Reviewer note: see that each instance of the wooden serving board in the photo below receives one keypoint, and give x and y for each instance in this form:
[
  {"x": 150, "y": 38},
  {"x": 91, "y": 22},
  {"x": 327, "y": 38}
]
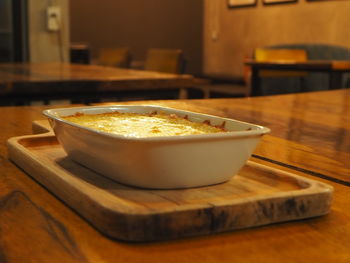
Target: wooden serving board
[{"x": 257, "y": 195}]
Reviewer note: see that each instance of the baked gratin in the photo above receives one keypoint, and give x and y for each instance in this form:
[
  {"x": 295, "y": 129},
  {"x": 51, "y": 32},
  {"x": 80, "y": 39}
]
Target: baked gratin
[{"x": 144, "y": 125}]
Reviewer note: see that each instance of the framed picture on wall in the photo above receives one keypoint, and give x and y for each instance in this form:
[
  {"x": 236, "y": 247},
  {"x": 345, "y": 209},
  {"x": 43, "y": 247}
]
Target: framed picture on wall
[
  {"x": 271, "y": 2},
  {"x": 241, "y": 3}
]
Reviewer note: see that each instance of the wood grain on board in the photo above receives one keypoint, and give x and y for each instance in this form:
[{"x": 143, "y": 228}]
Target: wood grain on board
[{"x": 257, "y": 195}]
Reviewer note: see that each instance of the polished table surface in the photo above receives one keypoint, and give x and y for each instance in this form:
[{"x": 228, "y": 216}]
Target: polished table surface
[
  {"x": 312, "y": 127},
  {"x": 310, "y": 136},
  {"x": 63, "y": 78},
  {"x": 335, "y": 69}
]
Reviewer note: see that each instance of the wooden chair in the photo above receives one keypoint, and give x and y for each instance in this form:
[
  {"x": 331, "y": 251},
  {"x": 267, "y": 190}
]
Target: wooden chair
[
  {"x": 114, "y": 57},
  {"x": 279, "y": 82},
  {"x": 164, "y": 60},
  {"x": 79, "y": 53},
  {"x": 283, "y": 55}
]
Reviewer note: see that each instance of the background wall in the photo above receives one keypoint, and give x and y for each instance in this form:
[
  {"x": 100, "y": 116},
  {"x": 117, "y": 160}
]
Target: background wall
[
  {"x": 46, "y": 46},
  {"x": 140, "y": 25},
  {"x": 230, "y": 34}
]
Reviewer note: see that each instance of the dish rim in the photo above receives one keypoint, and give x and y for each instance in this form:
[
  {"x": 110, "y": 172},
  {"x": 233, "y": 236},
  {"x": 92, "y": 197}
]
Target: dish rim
[{"x": 256, "y": 131}]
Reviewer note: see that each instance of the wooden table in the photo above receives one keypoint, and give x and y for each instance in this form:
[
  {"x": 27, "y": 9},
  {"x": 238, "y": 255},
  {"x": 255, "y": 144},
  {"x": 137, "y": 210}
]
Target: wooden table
[
  {"x": 335, "y": 69},
  {"x": 310, "y": 137},
  {"x": 59, "y": 80},
  {"x": 312, "y": 127}
]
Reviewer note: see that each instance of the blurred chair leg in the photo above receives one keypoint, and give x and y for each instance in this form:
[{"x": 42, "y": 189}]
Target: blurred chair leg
[
  {"x": 183, "y": 94},
  {"x": 302, "y": 84},
  {"x": 335, "y": 80},
  {"x": 206, "y": 92}
]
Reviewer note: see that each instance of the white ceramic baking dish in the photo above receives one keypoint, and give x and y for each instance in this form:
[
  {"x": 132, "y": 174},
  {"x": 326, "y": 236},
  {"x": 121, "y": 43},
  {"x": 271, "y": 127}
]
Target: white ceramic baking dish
[{"x": 158, "y": 162}]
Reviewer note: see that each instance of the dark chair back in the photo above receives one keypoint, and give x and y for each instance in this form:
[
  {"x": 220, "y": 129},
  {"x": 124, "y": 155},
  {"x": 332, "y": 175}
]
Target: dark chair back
[
  {"x": 114, "y": 57},
  {"x": 164, "y": 60}
]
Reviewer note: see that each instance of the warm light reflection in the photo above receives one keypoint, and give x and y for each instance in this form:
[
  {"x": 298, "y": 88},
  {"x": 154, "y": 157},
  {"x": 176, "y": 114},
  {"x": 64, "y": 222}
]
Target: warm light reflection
[{"x": 141, "y": 125}]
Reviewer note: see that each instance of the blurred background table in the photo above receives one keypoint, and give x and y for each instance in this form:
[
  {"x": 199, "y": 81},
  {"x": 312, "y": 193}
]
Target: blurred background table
[
  {"x": 310, "y": 137},
  {"x": 26, "y": 82},
  {"x": 334, "y": 68}
]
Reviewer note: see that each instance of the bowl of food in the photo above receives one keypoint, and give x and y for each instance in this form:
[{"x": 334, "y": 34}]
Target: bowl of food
[{"x": 155, "y": 147}]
